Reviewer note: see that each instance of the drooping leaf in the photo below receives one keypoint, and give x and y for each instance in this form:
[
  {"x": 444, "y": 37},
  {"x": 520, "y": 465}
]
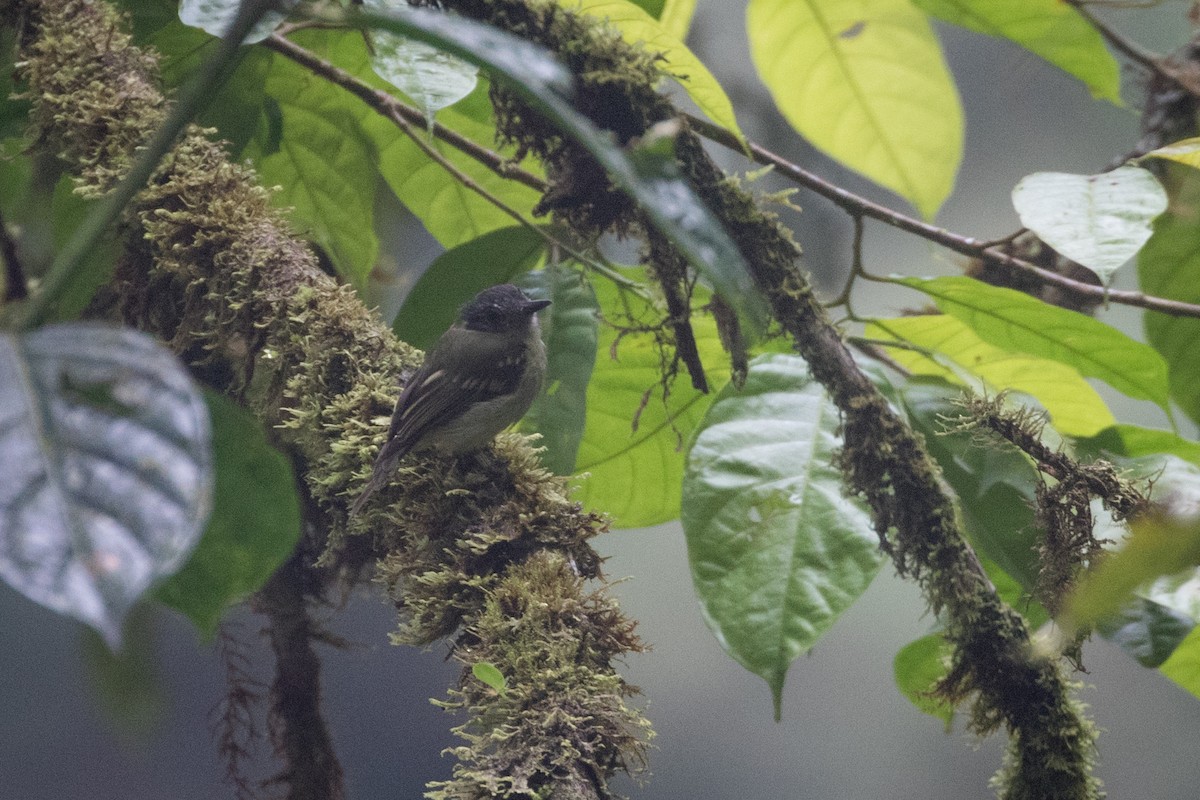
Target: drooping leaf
[
  {"x": 1100, "y": 221},
  {"x": 678, "y": 61},
  {"x": 570, "y": 330},
  {"x": 109, "y": 468},
  {"x": 432, "y": 78},
  {"x": 918, "y": 668},
  {"x": 668, "y": 201},
  {"x": 865, "y": 81},
  {"x": 216, "y": 16},
  {"x": 1074, "y": 407},
  {"x": 777, "y": 550},
  {"x": 1183, "y": 666},
  {"x": 631, "y": 458},
  {"x": 1018, "y": 323},
  {"x": 459, "y": 274},
  {"x": 254, "y": 526},
  {"x": 1052, "y": 29},
  {"x": 1169, "y": 266}
]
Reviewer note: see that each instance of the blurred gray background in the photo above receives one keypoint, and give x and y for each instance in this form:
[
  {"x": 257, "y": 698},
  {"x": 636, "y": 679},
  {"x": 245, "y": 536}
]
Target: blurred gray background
[{"x": 846, "y": 732}]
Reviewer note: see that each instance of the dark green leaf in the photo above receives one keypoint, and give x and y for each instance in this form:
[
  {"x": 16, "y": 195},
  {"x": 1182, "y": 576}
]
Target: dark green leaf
[
  {"x": 459, "y": 274},
  {"x": 69, "y": 210},
  {"x": 777, "y": 551},
  {"x": 918, "y": 668},
  {"x": 570, "y": 331},
  {"x": 1146, "y": 630},
  {"x": 254, "y": 526},
  {"x": 1134, "y": 442},
  {"x": 107, "y": 449}
]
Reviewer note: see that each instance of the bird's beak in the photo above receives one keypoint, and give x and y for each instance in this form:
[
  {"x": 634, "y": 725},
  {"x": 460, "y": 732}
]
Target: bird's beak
[{"x": 534, "y": 306}]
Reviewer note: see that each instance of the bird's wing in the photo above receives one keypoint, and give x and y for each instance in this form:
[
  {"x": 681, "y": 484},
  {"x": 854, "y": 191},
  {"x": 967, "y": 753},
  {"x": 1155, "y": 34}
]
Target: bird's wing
[{"x": 486, "y": 366}]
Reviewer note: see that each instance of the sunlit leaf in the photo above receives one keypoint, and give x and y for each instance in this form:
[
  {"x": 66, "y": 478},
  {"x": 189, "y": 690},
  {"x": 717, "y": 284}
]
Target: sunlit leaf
[
  {"x": 1074, "y": 407},
  {"x": 108, "y": 460},
  {"x": 631, "y": 457},
  {"x": 1183, "y": 666},
  {"x": 1050, "y": 28},
  {"x": 1100, "y": 221},
  {"x": 636, "y": 26},
  {"x": 1016, "y": 322},
  {"x": 777, "y": 550},
  {"x": 865, "y": 81},
  {"x": 1185, "y": 151},
  {"x": 676, "y": 17}
]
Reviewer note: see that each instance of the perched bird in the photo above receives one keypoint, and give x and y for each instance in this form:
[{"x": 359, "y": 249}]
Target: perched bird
[{"x": 480, "y": 377}]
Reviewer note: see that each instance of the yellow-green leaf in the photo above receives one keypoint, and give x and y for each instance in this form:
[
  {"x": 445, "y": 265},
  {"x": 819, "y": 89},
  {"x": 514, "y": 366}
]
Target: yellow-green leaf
[
  {"x": 1050, "y": 29},
  {"x": 865, "y": 81},
  {"x": 1074, "y": 406},
  {"x": 1185, "y": 151},
  {"x": 676, "y": 17},
  {"x": 679, "y": 62}
]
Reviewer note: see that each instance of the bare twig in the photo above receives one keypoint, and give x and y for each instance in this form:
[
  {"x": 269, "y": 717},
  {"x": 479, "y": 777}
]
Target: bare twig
[{"x": 855, "y": 205}]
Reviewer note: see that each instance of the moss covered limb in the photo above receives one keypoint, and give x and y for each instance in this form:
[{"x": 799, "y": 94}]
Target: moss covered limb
[
  {"x": 214, "y": 271},
  {"x": 884, "y": 461}
]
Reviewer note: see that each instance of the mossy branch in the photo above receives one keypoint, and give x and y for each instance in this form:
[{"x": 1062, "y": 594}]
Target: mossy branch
[
  {"x": 885, "y": 462},
  {"x": 486, "y": 547}
]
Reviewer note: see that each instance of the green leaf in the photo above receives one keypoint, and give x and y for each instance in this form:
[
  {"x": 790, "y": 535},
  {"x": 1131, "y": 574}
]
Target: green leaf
[
  {"x": 451, "y": 212},
  {"x": 128, "y": 683},
  {"x": 429, "y": 76},
  {"x": 1134, "y": 442},
  {"x": 1051, "y": 29},
  {"x": 1074, "y": 407},
  {"x": 487, "y": 673},
  {"x": 1145, "y": 630},
  {"x": 108, "y": 484},
  {"x": 678, "y": 61},
  {"x": 1185, "y": 151},
  {"x": 631, "y": 457},
  {"x": 255, "y": 522},
  {"x": 69, "y": 211},
  {"x": 918, "y": 668},
  {"x": 1169, "y": 266},
  {"x": 777, "y": 550},
  {"x": 570, "y": 330},
  {"x": 1183, "y": 666},
  {"x": 1018, "y": 323},
  {"x": 676, "y": 17},
  {"x": 865, "y": 81},
  {"x": 459, "y": 274},
  {"x": 667, "y": 200},
  {"x": 314, "y": 150},
  {"x": 1100, "y": 221}
]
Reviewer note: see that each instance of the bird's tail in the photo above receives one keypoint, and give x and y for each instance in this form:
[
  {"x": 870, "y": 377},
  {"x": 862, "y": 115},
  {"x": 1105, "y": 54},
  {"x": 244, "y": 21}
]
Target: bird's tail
[{"x": 381, "y": 473}]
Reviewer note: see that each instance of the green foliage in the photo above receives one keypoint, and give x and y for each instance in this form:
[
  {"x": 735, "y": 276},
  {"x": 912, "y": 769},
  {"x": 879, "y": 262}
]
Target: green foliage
[{"x": 777, "y": 551}]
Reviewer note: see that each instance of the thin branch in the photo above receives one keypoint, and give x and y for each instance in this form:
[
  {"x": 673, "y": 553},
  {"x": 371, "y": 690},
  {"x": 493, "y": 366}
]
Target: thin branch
[
  {"x": 854, "y": 204},
  {"x": 390, "y": 107},
  {"x": 1121, "y": 43},
  {"x": 14, "y": 283}
]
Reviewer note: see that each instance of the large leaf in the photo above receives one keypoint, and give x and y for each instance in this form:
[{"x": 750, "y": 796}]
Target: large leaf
[
  {"x": 918, "y": 668},
  {"x": 631, "y": 456},
  {"x": 636, "y": 26},
  {"x": 676, "y": 17},
  {"x": 777, "y": 551},
  {"x": 570, "y": 330},
  {"x": 1074, "y": 406},
  {"x": 1016, "y": 322},
  {"x": 1050, "y": 28},
  {"x": 459, "y": 274},
  {"x": 1169, "y": 266},
  {"x": 1100, "y": 221},
  {"x": 108, "y": 484},
  {"x": 865, "y": 81},
  {"x": 310, "y": 144},
  {"x": 649, "y": 174},
  {"x": 254, "y": 525}
]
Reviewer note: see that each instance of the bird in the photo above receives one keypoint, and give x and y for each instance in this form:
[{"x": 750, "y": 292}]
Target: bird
[{"x": 481, "y": 376}]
